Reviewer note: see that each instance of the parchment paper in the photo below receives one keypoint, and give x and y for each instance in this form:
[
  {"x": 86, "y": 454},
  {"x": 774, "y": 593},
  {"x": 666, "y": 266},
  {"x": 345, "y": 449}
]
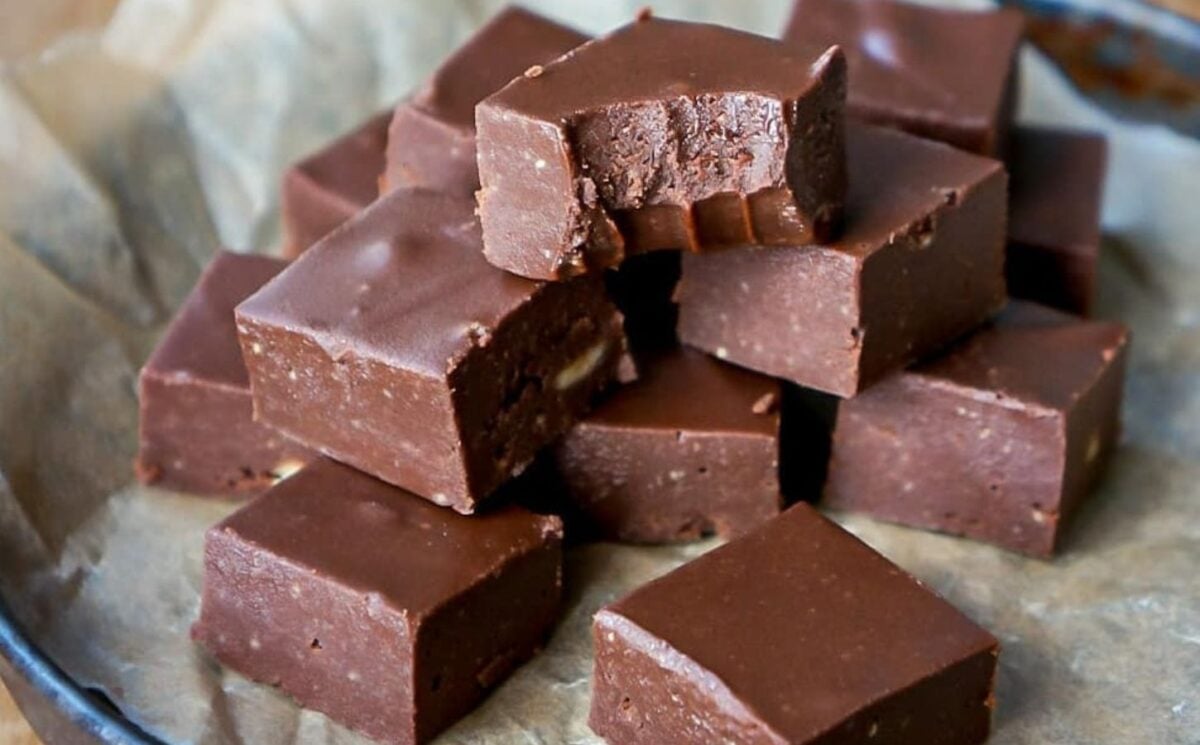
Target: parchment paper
[{"x": 132, "y": 149}]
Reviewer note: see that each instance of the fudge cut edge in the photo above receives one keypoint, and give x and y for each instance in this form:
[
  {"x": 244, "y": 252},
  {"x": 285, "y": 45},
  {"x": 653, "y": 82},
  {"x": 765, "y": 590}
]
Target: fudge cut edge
[
  {"x": 646, "y": 691},
  {"x": 451, "y": 439},
  {"x": 456, "y": 665},
  {"x": 995, "y": 489},
  {"x": 911, "y": 707},
  {"x": 641, "y": 500},
  {"x": 563, "y": 198},
  {"x": 881, "y": 306},
  {"x": 432, "y": 668},
  {"x": 179, "y": 448},
  {"x": 292, "y": 636},
  {"x": 557, "y": 370},
  {"x": 937, "y": 282}
]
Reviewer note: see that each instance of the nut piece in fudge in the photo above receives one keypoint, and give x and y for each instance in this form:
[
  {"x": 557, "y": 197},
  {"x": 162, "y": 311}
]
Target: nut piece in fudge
[
  {"x": 941, "y": 73},
  {"x": 919, "y": 263},
  {"x": 662, "y": 135},
  {"x": 332, "y": 185},
  {"x": 196, "y": 425},
  {"x": 795, "y": 633},
  {"x": 998, "y": 439},
  {"x": 395, "y": 347},
  {"x": 1055, "y": 195},
  {"x": 431, "y": 141},
  {"x": 362, "y": 601},
  {"x": 690, "y": 449}
]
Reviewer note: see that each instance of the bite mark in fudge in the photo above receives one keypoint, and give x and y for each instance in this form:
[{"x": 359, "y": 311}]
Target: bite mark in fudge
[
  {"x": 1057, "y": 187},
  {"x": 919, "y": 263},
  {"x": 941, "y": 73},
  {"x": 690, "y": 449},
  {"x": 794, "y": 633},
  {"x": 332, "y": 185},
  {"x": 395, "y": 347},
  {"x": 431, "y": 141},
  {"x": 662, "y": 135},
  {"x": 196, "y": 427},
  {"x": 362, "y": 601},
  {"x": 998, "y": 439}
]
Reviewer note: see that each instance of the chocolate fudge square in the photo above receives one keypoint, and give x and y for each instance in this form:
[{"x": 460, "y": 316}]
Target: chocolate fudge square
[
  {"x": 794, "y": 633},
  {"x": 431, "y": 141},
  {"x": 362, "y": 601},
  {"x": 661, "y": 135},
  {"x": 941, "y": 73},
  {"x": 999, "y": 439},
  {"x": 332, "y": 185},
  {"x": 690, "y": 449},
  {"x": 919, "y": 263},
  {"x": 196, "y": 427},
  {"x": 392, "y": 345},
  {"x": 1055, "y": 195}
]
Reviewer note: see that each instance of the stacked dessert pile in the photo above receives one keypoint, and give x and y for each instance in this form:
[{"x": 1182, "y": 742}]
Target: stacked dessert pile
[{"x": 618, "y": 284}]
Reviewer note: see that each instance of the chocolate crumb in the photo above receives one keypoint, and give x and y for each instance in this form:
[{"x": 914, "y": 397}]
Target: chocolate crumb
[{"x": 644, "y": 14}]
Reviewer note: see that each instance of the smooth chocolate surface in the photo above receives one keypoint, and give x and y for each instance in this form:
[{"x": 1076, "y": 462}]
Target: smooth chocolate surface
[
  {"x": 690, "y": 449},
  {"x": 332, "y": 185},
  {"x": 919, "y": 263},
  {"x": 998, "y": 439},
  {"x": 1055, "y": 195},
  {"x": 663, "y": 134},
  {"x": 794, "y": 633},
  {"x": 941, "y": 73},
  {"x": 431, "y": 141},
  {"x": 394, "y": 347},
  {"x": 196, "y": 427},
  {"x": 364, "y": 602}
]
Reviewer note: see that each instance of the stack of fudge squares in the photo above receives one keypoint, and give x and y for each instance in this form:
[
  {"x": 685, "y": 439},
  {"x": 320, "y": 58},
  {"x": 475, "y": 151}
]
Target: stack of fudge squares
[{"x": 648, "y": 288}]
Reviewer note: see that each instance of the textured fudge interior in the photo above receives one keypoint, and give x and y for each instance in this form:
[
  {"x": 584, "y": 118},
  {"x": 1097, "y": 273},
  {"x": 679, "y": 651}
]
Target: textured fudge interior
[{"x": 528, "y": 381}]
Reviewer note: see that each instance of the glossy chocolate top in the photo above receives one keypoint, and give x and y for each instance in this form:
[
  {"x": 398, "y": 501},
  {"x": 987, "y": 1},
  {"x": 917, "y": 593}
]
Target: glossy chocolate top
[
  {"x": 939, "y": 62},
  {"x": 1057, "y": 187},
  {"x": 201, "y": 342},
  {"x": 798, "y": 611},
  {"x": 372, "y": 537},
  {"x": 686, "y": 389},
  {"x": 505, "y": 47},
  {"x": 896, "y": 180},
  {"x": 350, "y": 166},
  {"x": 404, "y": 282},
  {"x": 653, "y": 59},
  {"x": 1029, "y": 355}
]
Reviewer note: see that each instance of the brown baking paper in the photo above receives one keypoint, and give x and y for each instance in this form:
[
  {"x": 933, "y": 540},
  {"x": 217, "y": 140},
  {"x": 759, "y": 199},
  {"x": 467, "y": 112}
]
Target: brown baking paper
[{"x": 133, "y": 147}]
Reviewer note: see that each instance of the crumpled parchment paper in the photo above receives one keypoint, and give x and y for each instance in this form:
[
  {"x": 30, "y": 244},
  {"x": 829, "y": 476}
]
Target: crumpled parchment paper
[{"x": 132, "y": 149}]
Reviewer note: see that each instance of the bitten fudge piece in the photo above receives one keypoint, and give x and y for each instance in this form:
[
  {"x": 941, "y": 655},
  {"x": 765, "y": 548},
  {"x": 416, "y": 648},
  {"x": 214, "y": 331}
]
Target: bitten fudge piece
[
  {"x": 197, "y": 431},
  {"x": 431, "y": 141},
  {"x": 330, "y": 186},
  {"x": 394, "y": 347},
  {"x": 940, "y": 73},
  {"x": 690, "y": 449},
  {"x": 794, "y": 633},
  {"x": 1057, "y": 186},
  {"x": 663, "y": 134},
  {"x": 391, "y": 615},
  {"x": 998, "y": 439},
  {"x": 920, "y": 262}
]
